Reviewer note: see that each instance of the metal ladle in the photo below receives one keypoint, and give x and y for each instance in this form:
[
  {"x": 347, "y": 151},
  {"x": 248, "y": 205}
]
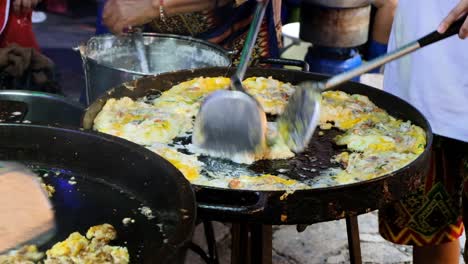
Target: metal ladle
[
  {"x": 301, "y": 116},
  {"x": 231, "y": 121}
]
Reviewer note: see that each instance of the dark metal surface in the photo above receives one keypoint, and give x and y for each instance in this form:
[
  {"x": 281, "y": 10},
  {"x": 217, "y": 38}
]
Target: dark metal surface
[
  {"x": 354, "y": 243},
  {"x": 251, "y": 243},
  {"x": 38, "y": 107},
  {"x": 114, "y": 178},
  {"x": 302, "y": 206},
  {"x": 334, "y": 27}
]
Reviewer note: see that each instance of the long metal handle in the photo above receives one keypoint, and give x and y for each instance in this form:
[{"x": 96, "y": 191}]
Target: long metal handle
[
  {"x": 249, "y": 43},
  {"x": 398, "y": 53},
  {"x": 137, "y": 35},
  {"x": 348, "y": 75}
]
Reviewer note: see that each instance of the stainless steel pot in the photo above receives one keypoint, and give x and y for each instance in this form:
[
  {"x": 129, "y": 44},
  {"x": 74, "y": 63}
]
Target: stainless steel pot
[{"x": 109, "y": 61}]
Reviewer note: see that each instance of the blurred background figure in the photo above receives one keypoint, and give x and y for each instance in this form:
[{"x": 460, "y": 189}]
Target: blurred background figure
[
  {"x": 22, "y": 66},
  {"x": 223, "y": 22}
]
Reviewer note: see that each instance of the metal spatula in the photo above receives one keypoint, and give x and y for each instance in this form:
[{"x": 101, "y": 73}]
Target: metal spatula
[
  {"x": 231, "y": 121},
  {"x": 301, "y": 116},
  {"x": 26, "y": 215},
  {"x": 136, "y": 33}
]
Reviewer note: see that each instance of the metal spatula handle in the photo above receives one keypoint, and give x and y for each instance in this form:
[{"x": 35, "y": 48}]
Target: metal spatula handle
[
  {"x": 248, "y": 46},
  {"x": 391, "y": 56},
  {"x": 137, "y": 36}
]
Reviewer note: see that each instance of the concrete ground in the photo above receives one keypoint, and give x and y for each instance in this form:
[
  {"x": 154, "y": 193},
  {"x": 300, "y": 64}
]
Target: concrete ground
[{"x": 319, "y": 243}]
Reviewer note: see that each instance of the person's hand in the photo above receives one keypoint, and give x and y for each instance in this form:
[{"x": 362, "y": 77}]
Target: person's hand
[
  {"x": 459, "y": 10},
  {"x": 20, "y": 6},
  {"x": 118, "y": 15}
]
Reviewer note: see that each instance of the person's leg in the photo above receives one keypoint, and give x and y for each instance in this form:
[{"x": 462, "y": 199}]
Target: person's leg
[
  {"x": 446, "y": 253},
  {"x": 464, "y": 166},
  {"x": 430, "y": 217}
]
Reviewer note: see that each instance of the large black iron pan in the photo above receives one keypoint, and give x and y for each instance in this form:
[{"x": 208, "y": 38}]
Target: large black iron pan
[
  {"x": 114, "y": 178},
  {"x": 300, "y": 207}
]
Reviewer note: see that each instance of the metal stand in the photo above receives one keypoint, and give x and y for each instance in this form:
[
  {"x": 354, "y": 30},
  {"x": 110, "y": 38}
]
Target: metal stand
[
  {"x": 212, "y": 256},
  {"x": 354, "y": 244},
  {"x": 253, "y": 243}
]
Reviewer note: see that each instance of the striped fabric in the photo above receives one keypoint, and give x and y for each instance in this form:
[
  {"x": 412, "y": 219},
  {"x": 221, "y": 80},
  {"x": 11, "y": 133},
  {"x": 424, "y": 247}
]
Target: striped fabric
[
  {"x": 227, "y": 26},
  {"x": 433, "y": 214}
]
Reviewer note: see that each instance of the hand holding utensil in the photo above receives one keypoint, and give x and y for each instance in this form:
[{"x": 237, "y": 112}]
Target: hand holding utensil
[{"x": 301, "y": 116}]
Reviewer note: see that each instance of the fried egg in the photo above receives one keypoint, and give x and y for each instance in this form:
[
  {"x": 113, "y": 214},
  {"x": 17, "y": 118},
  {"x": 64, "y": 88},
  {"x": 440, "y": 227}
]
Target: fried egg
[
  {"x": 376, "y": 143},
  {"x": 272, "y": 94},
  {"x": 265, "y": 182},
  {"x": 187, "y": 164},
  {"x": 140, "y": 122}
]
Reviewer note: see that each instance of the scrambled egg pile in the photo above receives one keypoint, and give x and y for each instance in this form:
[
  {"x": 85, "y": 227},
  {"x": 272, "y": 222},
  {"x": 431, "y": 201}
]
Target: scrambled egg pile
[
  {"x": 24, "y": 255},
  {"x": 376, "y": 142},
  {"x": 76, "y": 249}
]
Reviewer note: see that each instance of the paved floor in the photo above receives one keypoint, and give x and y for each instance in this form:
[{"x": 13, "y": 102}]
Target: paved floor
[{"x": 319, "y": 243}]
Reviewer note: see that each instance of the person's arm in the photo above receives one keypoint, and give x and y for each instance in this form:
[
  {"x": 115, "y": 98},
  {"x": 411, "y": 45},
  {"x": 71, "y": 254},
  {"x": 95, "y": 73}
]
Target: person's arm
[
  {"x": 121, "y": 14},
  {"x": 381, "y": 29},
  {"x": 383, "y": 20},
  {"x": 459, "y": 10}
]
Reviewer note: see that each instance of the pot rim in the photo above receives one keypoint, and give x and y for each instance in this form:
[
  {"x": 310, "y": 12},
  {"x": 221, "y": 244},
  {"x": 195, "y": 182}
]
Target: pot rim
[{"x": 223, "y": 52}]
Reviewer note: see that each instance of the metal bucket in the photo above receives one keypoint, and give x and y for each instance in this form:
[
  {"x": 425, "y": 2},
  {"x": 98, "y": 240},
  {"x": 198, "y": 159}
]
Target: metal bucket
[{"x": 109, "y": 61}]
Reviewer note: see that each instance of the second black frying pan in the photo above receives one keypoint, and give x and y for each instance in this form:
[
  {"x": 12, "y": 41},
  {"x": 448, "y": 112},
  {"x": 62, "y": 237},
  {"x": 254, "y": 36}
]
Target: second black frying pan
[{"x": 103, "y": 179}]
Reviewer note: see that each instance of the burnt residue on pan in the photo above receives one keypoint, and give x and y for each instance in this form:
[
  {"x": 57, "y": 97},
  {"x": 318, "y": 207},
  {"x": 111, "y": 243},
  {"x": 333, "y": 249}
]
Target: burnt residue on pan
[
  {"x": 309, "y": 164},
  {"x": 303, "y": 167}
]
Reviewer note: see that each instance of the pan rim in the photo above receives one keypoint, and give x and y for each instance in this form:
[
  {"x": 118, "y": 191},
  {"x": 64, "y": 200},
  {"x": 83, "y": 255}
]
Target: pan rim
[{"x": 188, "y": 202}]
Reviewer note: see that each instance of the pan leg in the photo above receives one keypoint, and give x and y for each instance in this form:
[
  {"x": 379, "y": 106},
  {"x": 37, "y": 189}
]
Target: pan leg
[
  {"x": 211, "y": 242},
  {"x": 262, "y": 243},
  {"x": 251, "y": 243},
  {"x": 212, "y": 256},
  {"x": 354, "y": 243},
  {"x": 240, "y": 253},
  {"x": 200, "y": 252}
]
